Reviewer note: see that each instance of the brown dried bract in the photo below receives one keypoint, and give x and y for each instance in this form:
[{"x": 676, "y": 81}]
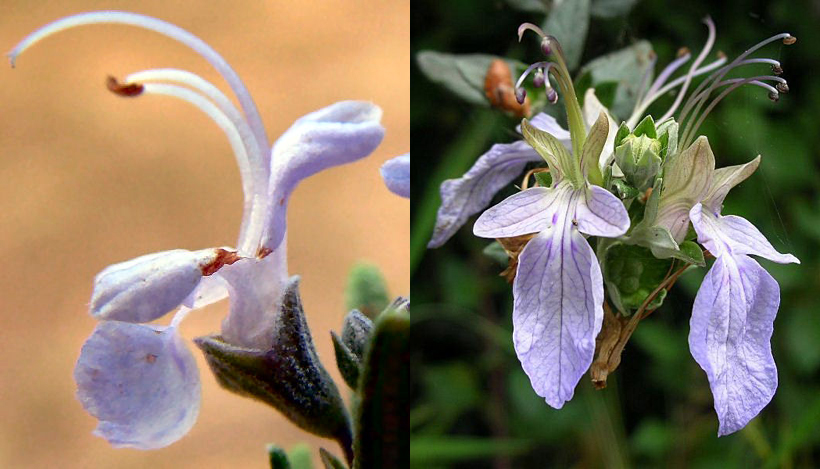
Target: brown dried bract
[
  {"x": 513, "y": 246},
  {"x": 129, "y": 90},
  {"x": 605, "y": 345},
  {"x": 222, "y": 258},
  {"x": 499, "y": 89}
]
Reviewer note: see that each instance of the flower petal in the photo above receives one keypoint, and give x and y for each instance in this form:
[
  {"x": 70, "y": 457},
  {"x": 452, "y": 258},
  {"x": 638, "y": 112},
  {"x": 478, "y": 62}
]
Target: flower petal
[
  {"x": 340, "y": 133},
  {"x": 145, "y": 288},
  {"x": 557, "y": 312},
  {"x": 731, "y": 327},
  {"x": 686, "y": 180},
  {"x": 396, "y": 175},
  {"x": 600, "y": 213},
  {"x": 733, "y": 235},
  {"x": 141, "y": 382},
  {"x": 561, "y": 163},
  {"x": 463, "y": 197},
  {"x": 725, "y": 179},
  {"x": 528, "y": 211}
]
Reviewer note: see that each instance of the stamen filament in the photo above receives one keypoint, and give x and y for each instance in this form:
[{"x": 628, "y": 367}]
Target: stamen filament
[
  {"x": 716, "y": 77},
  {"x": 182, "y": 77},
  {"x": 169, "y": 30},
  {"x": 642, "y": 91},
  {"x": 710, "y": 41},
  {"x": 667, "y": 72},
  {"x": 254, "y": 196},
  {"x": 545, "y": 65},
  {"x": 639, "y": 110}
]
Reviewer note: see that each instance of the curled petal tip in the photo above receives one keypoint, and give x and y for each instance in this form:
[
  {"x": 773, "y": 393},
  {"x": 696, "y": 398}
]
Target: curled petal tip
[{"x": 396, "y": 175}]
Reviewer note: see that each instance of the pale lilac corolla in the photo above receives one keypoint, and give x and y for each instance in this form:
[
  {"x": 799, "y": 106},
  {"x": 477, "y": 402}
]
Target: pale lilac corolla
[
  {"x": 558, "y": 288},
  {"x": 396, "y": 175},
  {"x": 141, "y": 380},
  {"x": 463, "y": 197},
  {"x": 734, "y": 310}
]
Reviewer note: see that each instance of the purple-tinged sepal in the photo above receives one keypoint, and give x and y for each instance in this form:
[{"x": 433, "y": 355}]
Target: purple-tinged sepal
[
  {"x": 148, "y": 287},
  {"x": 287, "y": 376},
  {"x": 396, "y": 175},
  {"x": 141, "y": 382}
]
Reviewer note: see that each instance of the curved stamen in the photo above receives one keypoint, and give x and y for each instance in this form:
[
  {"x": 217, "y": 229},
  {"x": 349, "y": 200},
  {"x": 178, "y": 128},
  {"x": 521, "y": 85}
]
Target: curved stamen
[
  {"x": 718, "y": 75},
  {"x": 545, "y": 66},
  {"x": 182, "y": 77},
  {"x": 254, "y": 196},
  {"x": 649, "y": 99},
  {"x": 167, "y": 29},
  {"x": 710, "y": 41},
  {"x": 667, "y": 72},
  {"x": 736, "y": 83},
  {"x": 531, "y": 27}
]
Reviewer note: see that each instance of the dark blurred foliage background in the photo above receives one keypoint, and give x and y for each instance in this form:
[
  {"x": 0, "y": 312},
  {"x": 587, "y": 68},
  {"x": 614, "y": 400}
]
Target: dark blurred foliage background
[{"x": 472, "y": 404}]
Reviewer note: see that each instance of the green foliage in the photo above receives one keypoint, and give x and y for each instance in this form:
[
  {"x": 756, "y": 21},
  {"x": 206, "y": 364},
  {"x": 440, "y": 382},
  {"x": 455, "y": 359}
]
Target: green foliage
[
  {"x": 631, "y": 274},
  {"x": 462, "y": 75},
  {"x": 568, "y": 21},
  {"x": 366, "y": 290},
  {"x": 625, "y": 67},
  {"x": 278, "y": 458},
  {"x": 382, "y": 438}
]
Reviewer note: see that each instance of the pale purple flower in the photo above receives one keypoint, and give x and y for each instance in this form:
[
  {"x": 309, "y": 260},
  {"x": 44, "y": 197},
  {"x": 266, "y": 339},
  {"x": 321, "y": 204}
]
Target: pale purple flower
[
  {"x": 463, "y": 197},
  {"x": 140, "y": 380},
  {"x": 396, "y": 175},
  {"x": 734, "y": 310},
  {"x": 558, "y": 289}
]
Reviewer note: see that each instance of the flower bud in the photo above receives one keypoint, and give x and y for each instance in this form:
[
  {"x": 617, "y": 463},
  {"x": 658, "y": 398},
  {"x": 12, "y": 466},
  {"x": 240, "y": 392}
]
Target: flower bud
[{"x": 638, "y": 155}]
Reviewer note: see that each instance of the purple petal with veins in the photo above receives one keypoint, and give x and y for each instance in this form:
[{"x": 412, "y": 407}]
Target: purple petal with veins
[
  {"x": 529, "y": 211},
  {"x": 600, "y": 213},
  {"x": 464, "y": 197},
  {"x": 338, "y": 134},
  {"x": 733, "y": 235},
  {"x": 731, "y": 327},
  {"x": 557, "y": 311},
  {"x": 141, "y": 382},
  {"x": 396, "y": 175}
]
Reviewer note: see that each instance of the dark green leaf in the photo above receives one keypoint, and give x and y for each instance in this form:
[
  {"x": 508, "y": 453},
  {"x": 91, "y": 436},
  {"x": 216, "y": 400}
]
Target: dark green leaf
[
  {"x": 278, "y": 458},
  {"x": 568, "y": 22},
  {"x": 611, "y": 8},
  {"x": 382, "y": 429},
  {"x": 627, "y": 67}
]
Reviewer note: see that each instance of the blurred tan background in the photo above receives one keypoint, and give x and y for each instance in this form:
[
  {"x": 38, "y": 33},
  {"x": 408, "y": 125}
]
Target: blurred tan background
[{"x": 90, "y": 179}]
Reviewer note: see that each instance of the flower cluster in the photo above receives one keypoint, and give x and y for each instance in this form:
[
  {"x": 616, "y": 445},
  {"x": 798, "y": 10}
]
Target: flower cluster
[
  {"x": 140, "y": 380},
  {"x": 634, "y": 186}
]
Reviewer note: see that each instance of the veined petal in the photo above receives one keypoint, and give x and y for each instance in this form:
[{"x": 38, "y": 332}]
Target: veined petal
[
  {"x": 463, "y": 197},
  {"x": 731, "y": 327},
  {"x": 141, "y": 382},
  {"x": 145, "y": 288},
  {"x": 686, "y": 181},
  {"x": 340, "y": 133},
  {"x": 600, "y": 213},
  {"x": 725, "y": 179},
  {"x": 396, "y": 175},
  {"x": 733, "y": 235},
  {"x": 529, "y": 211},
  {"x": 558, "y": 311}
]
